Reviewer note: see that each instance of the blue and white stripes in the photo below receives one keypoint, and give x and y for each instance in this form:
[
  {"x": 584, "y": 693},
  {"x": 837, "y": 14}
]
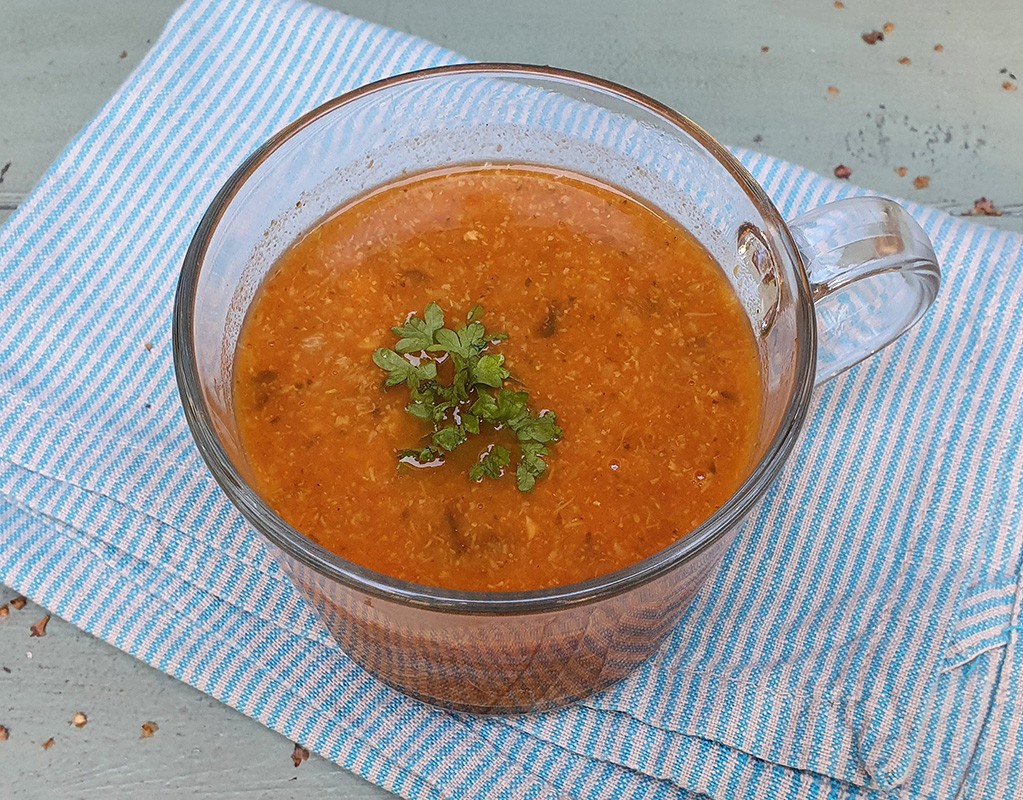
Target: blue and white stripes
[{"x": 862, "y": 639}]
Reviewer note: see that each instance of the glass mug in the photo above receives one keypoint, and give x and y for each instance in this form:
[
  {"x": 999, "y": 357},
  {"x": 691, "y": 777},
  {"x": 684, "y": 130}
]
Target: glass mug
[{"x": 822, "y": 292}]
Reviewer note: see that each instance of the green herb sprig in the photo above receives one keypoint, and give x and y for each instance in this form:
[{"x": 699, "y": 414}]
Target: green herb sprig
[{"x": 475, "y": 399}]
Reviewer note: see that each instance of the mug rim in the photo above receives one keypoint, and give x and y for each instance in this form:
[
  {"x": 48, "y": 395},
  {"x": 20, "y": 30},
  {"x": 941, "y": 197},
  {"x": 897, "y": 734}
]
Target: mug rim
[{"x": 329, "y": 565}]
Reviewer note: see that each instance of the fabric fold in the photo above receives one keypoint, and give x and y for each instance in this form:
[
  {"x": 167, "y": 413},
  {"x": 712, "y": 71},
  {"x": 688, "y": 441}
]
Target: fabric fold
[{"x": 859, "y": 640}]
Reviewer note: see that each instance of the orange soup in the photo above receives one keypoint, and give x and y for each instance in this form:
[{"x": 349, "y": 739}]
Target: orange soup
[{"x": 617, "y": 321}]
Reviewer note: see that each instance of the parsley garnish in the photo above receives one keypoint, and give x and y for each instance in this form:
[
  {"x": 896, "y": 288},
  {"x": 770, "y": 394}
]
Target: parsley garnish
[{"x": 475, "y": 399}]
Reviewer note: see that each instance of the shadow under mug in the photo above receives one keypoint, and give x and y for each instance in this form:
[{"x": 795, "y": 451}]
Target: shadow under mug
[{"x": 821, "y": 292}]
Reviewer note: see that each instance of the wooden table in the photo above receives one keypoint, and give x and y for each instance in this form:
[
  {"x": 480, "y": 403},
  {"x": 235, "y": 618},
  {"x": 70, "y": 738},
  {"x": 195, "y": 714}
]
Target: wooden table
[{"x": 931, "y": 112}]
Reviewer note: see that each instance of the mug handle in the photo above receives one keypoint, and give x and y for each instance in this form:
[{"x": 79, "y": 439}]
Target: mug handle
[{"x": 873, "y": 273}]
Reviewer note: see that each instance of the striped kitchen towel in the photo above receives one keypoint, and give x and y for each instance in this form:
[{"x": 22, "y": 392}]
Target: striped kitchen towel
[{"x": 861, "y": 640}]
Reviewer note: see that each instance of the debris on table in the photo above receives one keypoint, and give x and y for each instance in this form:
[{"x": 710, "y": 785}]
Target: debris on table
[
  {"x": 905, "y": 61},
  {"x": 48, "y": 743},
  {"x": 148, "y": 729},
  {"x": 39, "y": 628},
  {"x": 901, "y": 171},
  {"x": 832, "y": 90},
  {"x": 842, "y": 172},
  {"x": 939, "y": 48},
  {"x": 921, "y": 182},
  {"x": 1009, "y": 86},
  {"x": 888, "y": 27},
  {"x": 4, "y": 611},
  {"x": 839, "y": 4},
  {"x": 19, "y": 602},
  {"x": 873, "y": 37},
  {"x": 5, "y": 733},
  {"x": 3, "y": 170},
  {"x": 299, "y": 755},
  {"x": 982, "y": 207},
  {"x": 79, "y": 720}
]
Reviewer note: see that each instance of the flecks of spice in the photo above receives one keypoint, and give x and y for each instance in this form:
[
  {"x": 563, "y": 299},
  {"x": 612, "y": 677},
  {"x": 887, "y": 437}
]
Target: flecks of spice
[
  {"x": 839, "y": 4},
  {"x": 148, "y": 346},
  {"x": 148, "y": 729},
  {"x": 79, "y": 720},
  {"x": 921, "y": 182},
  {"x": 4, "y": 611},
  {"x": 1009, "y": 86},
  {"x": 758, "y": 138},
  {"x": 18, "y": 603},
  {"x": 124, "y": 55},
  {"x": 48, "y": 743},
  {"x": 299, "y": 755},
  {"x": 39, "y": 628},
  {"x": 982, "y": 207},
  {"x": 842, "y": 172},
  {"x": 905, "y": 61},
  {"x": 3, "y": 170},
  {"x": 939, "y": 48},
  {"x": 1005, "y": 71},
  {"x": 873, "y": 37},
  {"x": 888, "y": 27},
  {"x": 901, "y": 171},
  {"x": 764, "y": 49},
  {"x": 832, "y": 90},
  {"x": 5, "y": 733}
]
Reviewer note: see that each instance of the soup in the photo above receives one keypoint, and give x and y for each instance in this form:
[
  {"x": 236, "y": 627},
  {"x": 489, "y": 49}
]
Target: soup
[{"x": 621, "y": 330}]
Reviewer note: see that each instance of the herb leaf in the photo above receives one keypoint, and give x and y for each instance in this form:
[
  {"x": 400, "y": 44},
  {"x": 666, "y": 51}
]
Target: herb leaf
[
  {"x": 543, "y": 429},
  {"x": 449, "y": 437},
  {"x": 418, "y": 334},
  {"x": 469, "y": 404},
  {"x": 401, "y": 370},
  {"x": 491, "y": 464},
  {"x": 489, "y": 372},
  {"x": 531, "y": 465}
]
